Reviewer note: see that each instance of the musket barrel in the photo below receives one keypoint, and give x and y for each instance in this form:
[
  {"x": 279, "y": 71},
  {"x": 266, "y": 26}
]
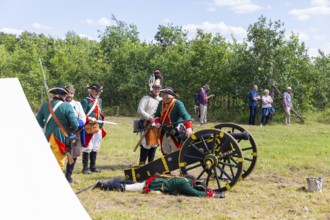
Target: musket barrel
[{"x": 45, "y": 82}]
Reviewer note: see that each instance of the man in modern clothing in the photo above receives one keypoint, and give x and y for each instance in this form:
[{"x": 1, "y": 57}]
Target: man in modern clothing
[
  {"x": 253, "y": 103},
  {"x": 287, "y": 104},
  {"x": 204, "y": 100}
]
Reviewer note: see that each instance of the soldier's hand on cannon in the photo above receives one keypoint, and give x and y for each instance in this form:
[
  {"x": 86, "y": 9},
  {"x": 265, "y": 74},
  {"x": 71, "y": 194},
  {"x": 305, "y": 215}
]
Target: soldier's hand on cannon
[{"x": 189, "y": 132}]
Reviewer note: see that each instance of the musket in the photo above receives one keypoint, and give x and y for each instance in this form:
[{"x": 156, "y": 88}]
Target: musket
[
  {"x": 70, "y": 159},
  {"x": 45, "y": 82},
  {"x": 149, "y": 127},
  {"x": 91, "y": 186}
]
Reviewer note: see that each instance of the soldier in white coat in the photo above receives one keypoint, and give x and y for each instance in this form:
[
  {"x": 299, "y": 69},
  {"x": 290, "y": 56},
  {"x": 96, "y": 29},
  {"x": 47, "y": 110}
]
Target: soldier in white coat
[
  {"x": 81, "y": 116},
  {"x": 146, "y": 109}
]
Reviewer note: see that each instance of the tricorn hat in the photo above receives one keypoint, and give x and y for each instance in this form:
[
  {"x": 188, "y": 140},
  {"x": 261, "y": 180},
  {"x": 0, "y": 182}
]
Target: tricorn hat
[
  {"x": 200, "y": 185},
  {"x": 58, "y": 90},
  {"x": 167, "y": 90},
  {"x": 96, "y": 86}
]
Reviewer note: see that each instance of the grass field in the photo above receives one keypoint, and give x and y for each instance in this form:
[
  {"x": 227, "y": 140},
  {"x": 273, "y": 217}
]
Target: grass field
[{"x": 276, "y": 189}]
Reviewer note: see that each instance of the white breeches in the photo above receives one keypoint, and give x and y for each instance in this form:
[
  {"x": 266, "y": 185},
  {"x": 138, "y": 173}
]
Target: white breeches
[{"x": 94, "y": 143}]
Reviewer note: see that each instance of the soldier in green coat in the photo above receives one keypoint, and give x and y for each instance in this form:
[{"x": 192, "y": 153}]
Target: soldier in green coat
[
  {"x": 92, "y": 105},
  {"x": 167, "y": 184},
  {"x": 64, "y": 113},
  {"x": 174, "y": 120}
]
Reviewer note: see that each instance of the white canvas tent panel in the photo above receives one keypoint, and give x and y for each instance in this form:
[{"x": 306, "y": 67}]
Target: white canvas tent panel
[{"x": 32, "y": 184}]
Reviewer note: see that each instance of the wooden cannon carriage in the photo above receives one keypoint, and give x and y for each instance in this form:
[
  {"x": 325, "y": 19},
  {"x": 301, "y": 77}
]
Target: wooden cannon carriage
[{"x": 221, "y": 156}]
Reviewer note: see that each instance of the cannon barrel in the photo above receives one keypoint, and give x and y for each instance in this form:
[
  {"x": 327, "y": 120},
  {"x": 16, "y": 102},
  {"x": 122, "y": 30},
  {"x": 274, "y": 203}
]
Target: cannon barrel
[{"x": 241, "y": 135}]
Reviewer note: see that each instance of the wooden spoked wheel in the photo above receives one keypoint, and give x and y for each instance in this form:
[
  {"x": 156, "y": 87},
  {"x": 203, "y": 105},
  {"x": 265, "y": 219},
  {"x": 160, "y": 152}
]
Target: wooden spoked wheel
[
  {"x": 246, "y": 144},
  {"x": 214, "y": 156}
]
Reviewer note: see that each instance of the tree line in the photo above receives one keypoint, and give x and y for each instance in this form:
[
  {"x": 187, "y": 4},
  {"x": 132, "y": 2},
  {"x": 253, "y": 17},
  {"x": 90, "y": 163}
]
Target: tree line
[{"x": 123, "y": 64}]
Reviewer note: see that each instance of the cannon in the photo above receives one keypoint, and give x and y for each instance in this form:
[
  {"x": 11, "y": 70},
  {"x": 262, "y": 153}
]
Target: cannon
[{"x": 214, "y": 155}]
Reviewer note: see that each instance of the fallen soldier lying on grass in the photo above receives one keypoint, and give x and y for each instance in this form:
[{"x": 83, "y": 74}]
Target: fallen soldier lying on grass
[{"x": 158, "y": 183}]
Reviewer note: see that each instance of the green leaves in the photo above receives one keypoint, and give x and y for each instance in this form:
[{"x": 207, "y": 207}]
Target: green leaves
[{"x": 123, "y": 64}]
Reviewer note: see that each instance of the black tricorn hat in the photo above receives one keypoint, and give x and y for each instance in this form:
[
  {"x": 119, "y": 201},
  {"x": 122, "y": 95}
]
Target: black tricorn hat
[
  {"x": 96, "y": 86},
  {"x": 168, "y": 90},
  {"x": 58, "y": 90}
]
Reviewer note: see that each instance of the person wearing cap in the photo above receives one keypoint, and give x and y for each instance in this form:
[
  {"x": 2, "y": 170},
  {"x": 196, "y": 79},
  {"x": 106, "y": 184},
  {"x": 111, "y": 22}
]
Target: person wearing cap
[
  {"x": 81, "y": 117},
  {"x": 204, "y": 100},
  {"x": 174, "y": 120},
  {"x": 92, "y": 105},
  {"x": 254, "y": 97},
  {"x": 287, "y": 105},
  {"x": 159, "y": 183},
  {"x": 146, "y": 109},
  {"x": 64, "y": 113}
]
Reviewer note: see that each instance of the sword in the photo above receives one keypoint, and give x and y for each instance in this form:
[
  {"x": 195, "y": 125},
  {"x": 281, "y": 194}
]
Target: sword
[{"x": 106, "y": 122}]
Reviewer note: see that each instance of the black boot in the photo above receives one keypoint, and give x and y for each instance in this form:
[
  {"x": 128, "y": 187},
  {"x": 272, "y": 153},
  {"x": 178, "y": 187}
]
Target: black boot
[
  {"x": 151, "y": 154},
  {"x": 93, "y": 162},
  {"x": 85, "y": 163},
  {"x": 114, "y": 184},
  {"x": 143, "y": 155},
  {"x": 69, "y": 170}
]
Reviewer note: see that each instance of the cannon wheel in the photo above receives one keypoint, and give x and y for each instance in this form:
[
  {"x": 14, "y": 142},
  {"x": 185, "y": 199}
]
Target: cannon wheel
[
  {"x": 214, "y": 156},
  {"x": 248, "y": 147}
]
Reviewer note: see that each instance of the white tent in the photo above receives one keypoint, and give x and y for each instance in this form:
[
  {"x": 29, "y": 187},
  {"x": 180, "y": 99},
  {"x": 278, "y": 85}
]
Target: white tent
[{"x": 32, "y": 185}]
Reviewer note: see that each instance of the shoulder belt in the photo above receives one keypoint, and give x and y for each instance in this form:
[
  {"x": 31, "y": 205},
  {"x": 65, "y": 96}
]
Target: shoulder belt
[
  {"x": 50, "y": 115},
  {"x": 94, "y": 105}
]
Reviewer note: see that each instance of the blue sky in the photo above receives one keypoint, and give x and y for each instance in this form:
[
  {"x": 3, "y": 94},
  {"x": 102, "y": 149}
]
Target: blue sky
[{"x": 308, "y": 18}]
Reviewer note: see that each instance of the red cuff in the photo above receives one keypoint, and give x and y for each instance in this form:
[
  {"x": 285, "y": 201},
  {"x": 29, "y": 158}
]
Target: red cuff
[
  {"x": 157, "y": 120},
  {"x": 188, "y": 124},
  {"x": 209, "y": 194}
]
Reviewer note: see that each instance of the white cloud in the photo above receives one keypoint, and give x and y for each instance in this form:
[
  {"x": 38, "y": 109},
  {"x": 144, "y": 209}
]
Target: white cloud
[
  {"x": 319, "y": 37},
  {"x": 103, "y": 21},
  {"x": 238, "y": 6},
  {"x": 85, "y": 36},
  {"x": 320, "y": 2},
  {"x": 11, "y": 31},
  {"x": 41, "y": 26},
  {"x": 220, "y": 28},
  {"x": 320, "y": 8},
  {"x": 313, "y": 52},
  {"x": 166, "y": 20},
  {"x": 303, "y": 36}
]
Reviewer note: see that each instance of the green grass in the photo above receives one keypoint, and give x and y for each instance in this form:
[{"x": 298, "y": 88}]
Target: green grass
[{"x": 276, "y": 189}]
